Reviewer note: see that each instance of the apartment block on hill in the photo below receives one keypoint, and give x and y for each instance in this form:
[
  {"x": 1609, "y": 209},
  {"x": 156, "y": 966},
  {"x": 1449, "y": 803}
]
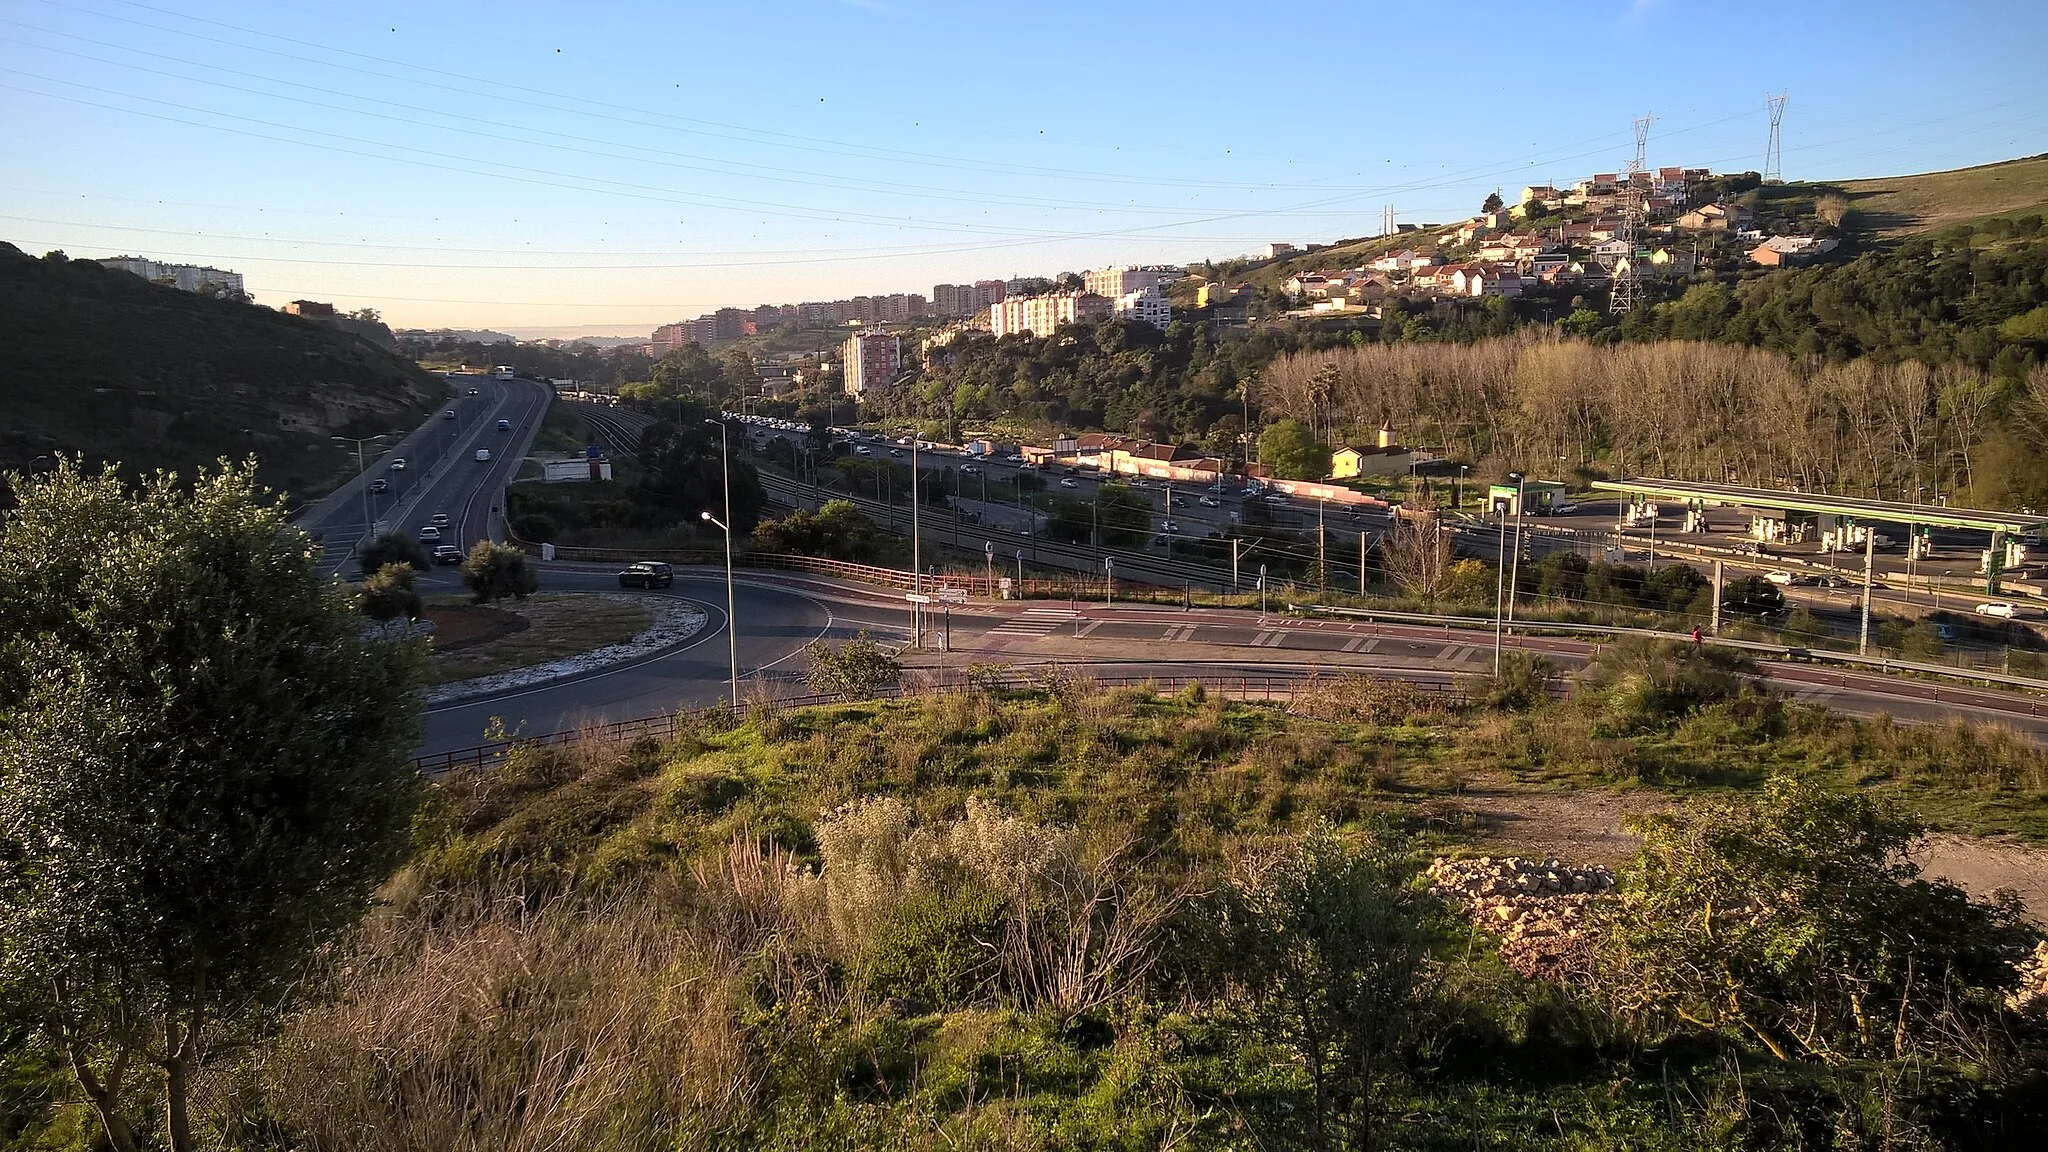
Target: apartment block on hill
[
  {"x": 1042, "y": 315},
  {"x": 194, "y": 278},
  {"x": 872, "y": 361}
]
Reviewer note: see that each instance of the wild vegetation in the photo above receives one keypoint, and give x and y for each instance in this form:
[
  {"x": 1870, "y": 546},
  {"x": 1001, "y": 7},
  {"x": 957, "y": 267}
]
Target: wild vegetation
[{"x": 1071, "y": 916}]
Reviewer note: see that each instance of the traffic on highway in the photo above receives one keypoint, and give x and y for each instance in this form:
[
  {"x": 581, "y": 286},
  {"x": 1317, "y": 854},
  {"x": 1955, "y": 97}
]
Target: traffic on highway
[{"x": 439, "y": 483}]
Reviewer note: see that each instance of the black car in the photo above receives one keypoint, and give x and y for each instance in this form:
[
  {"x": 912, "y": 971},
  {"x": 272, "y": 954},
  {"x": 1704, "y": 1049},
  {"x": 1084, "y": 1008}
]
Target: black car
[
  {"x": 647, "y": 574},
  {"x": 447, "y": 554}
]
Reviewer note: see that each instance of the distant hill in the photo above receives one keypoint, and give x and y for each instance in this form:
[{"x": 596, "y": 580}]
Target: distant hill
[
  {"x": 1896, "y": 206},
  {"x": 107, "y": 364}
]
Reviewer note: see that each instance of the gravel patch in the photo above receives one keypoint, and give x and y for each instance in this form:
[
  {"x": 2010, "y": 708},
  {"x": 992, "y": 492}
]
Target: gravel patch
[{"x": 674, "y": 622}]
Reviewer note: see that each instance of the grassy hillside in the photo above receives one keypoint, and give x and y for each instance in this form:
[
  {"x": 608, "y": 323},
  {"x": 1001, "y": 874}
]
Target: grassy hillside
[
  {"x": 1895, "y": 206},
  {"x": 1100, "y": 918},
  {"x": 109, "y": 365}
]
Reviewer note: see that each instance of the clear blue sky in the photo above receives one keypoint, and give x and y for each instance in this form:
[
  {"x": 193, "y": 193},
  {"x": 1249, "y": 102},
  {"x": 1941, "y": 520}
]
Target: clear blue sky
[{"x": 612, "y": 166}]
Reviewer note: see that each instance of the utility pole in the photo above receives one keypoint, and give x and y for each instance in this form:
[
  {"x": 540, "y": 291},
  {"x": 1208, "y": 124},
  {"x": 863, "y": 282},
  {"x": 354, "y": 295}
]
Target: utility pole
[
  {"x": 1869, "y": 565},
  {"x": 1625, "y": 291},
  {"x": 1774, "y": 166},
  {"x": 1322, "y": 552},
  {"x": 916, "y": 557},
  {"x": 1716, "y": 625}
]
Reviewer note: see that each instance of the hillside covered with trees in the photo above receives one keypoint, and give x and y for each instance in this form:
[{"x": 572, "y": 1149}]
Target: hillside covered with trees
[{"x": 108, "y": 365}]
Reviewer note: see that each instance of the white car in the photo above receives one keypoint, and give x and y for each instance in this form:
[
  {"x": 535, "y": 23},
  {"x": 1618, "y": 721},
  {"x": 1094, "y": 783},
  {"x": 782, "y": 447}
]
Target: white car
[
  {"x": 429, "y": 534},
  {"x": 1208, "y": 502},
  {"x": 1068, "y": 482},
  {"x": 398, "y": 465},
  {"x": 440, "y": 520},
  {"x": 2003, "y": 609},
  {"x": 1781, "y": 578},
  {"x": 483, "y": 455}
]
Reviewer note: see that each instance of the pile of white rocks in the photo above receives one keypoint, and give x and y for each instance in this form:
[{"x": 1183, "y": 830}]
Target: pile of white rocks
[
  {"x": 2032, "y": 994},
  {"x": 1537, "y": 908}
]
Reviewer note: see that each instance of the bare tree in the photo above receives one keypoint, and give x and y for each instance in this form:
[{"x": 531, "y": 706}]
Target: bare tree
[{"x": 1417, "y": 556}]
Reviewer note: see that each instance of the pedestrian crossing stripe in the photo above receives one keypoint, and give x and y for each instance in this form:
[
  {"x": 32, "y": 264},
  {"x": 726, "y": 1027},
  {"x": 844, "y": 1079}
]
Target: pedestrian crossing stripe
[{"x": 1034, "y": 622}]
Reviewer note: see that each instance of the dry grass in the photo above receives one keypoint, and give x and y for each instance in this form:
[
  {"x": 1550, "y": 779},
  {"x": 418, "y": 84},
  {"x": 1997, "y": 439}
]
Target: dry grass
[
  {"x": 556, "y": 626},
  {"x": 1899, "y": 205}
]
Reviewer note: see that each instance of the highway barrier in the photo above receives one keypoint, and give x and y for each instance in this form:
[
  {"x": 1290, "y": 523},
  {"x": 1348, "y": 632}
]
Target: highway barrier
[{"x": 1882, "y": 664}]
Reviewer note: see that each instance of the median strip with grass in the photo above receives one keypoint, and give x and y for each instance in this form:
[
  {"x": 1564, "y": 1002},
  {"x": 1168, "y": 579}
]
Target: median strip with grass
[{"x": 479, "y": 650}]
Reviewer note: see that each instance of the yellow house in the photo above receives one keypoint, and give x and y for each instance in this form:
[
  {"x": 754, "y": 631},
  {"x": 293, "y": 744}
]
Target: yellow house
[{"x": 1384, "y": 459}]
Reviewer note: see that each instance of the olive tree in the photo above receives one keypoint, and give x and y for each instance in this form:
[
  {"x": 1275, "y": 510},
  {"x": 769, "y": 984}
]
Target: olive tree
[
  {"x": 204, "y": 773},
  {"x": 493, "y": 571},
  {"x": 393, "y": 548},
  {"x": 1795, "y": 922},
  {"x": 855, "y": 670}
]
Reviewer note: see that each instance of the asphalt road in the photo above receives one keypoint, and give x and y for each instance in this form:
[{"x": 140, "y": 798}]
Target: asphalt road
[
  {"x": 776, "y": 622},
  {"x": 780, "y": 613},
  {"x": 441, "y": 472}
]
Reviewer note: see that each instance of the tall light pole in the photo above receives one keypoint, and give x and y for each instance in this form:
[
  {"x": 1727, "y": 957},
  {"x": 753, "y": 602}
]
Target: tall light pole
[
  {"x": 368, "y": 520},
  {"x": 732, "y": 640},
  {"x": 1501, "y": 573}
]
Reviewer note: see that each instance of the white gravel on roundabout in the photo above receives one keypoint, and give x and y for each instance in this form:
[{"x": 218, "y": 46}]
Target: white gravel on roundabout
[{"x": 674, "y": 622}]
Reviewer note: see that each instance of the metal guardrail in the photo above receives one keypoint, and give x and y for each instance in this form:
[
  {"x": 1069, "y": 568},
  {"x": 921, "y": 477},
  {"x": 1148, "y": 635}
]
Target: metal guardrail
[
  {"x": 1783, "y": 651},
  {"x": 1277, "y": 686}
]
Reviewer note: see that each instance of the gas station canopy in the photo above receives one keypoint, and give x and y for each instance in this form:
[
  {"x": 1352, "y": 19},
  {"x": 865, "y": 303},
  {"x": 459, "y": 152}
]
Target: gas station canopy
[{"x": 1847, "y": 507}]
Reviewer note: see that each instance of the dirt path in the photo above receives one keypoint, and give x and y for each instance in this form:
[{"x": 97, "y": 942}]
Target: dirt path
[{"x": 1585, "y": 828}]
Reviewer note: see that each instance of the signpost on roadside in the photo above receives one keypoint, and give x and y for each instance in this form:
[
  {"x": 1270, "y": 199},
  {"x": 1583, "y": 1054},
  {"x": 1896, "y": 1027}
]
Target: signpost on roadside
[
  {"x": 1262, "y": 589},
  {"x": 988, "y": 553},
  {"x": 1109, "y": 579}
]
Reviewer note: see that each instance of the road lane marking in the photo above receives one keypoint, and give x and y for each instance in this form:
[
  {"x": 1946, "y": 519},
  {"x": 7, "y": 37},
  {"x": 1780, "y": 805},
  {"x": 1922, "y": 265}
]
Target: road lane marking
[{"x": 1035, "y": 622}]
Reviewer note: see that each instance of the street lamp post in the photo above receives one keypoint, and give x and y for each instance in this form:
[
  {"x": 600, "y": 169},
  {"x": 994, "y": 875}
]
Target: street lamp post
[
  {"x": 368, "y": 520},
  {"x": 732, "y": 640},
  {"x": 1458, "y": 499}
]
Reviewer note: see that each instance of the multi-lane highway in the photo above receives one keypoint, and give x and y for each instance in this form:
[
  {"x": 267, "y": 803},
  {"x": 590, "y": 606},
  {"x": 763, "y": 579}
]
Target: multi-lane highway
[
  {"x": 778, "y": 614},
  {"x": 440, "y": 472}
]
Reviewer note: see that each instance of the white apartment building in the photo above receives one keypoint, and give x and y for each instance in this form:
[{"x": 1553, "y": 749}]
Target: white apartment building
[
  {"x": 1114, "y": 283},
  {"x": 183, "y": 277},
  {"x": 872, "y": 360},
  {"x": 1042, "y": 315},
  {"x": 1147, "y": 304}
]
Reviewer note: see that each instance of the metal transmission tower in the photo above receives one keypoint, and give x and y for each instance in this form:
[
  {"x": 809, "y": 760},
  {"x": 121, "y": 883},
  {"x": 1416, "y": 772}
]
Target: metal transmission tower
[
  {"x": 1626, "y": 291},
  {"x": 1774, "y": 168}
]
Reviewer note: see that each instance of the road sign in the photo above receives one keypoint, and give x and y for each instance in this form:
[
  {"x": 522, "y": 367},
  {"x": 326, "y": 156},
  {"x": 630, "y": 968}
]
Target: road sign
[
  {"x": 917, "y": 598},
  {"x": 952, "y": 595}
]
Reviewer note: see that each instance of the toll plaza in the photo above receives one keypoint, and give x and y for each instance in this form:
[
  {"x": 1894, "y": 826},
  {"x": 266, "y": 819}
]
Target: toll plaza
[{"x": 1933, "y": 537}]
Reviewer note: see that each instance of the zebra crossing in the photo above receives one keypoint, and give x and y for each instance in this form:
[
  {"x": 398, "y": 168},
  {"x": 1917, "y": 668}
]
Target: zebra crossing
[{"x": 1035, "y": 622}]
